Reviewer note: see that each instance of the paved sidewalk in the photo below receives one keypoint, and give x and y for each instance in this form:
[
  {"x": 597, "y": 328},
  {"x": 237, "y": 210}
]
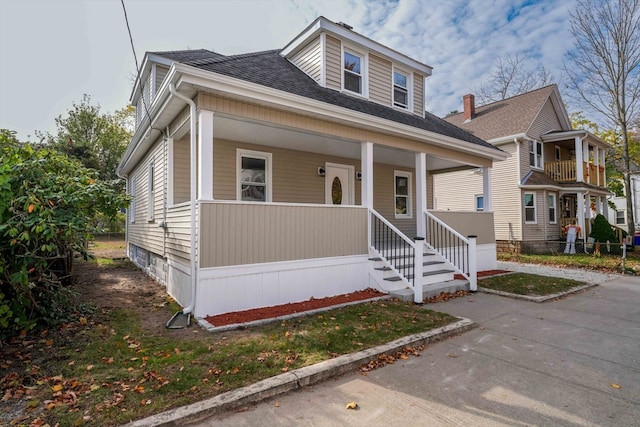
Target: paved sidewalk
[{"x": 557, "y": 364}]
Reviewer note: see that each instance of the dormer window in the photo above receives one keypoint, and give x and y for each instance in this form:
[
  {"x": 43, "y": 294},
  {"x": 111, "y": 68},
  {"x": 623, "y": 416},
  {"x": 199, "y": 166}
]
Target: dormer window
[
  {"x": 352, "y": 74},
  {"x": 400, "y": 90}
]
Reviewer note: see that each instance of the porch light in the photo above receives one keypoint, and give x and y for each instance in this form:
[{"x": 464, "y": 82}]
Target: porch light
[
  {"x": 321, "y": 171},
  {"x": 359, "y": 176}
]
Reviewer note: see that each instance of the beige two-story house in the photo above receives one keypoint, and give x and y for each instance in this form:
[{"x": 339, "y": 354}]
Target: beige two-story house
[
  {"x": 271, "y": 177},
  {"x": 554, "y": 175}
]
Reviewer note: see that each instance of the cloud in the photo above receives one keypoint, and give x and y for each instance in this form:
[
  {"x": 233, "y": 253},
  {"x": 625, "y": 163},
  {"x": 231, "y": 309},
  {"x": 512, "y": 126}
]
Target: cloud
[{"x": 50, "y": 58}]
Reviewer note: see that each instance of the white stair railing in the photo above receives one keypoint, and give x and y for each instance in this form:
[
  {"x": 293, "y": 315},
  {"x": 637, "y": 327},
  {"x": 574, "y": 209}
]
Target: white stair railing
[
  {"x": 458, "y": 250},
  {"x": 391, "y": 245}
]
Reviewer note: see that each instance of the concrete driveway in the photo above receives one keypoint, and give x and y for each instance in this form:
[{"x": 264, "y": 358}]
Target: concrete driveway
[{"x": 552, "y": 364}]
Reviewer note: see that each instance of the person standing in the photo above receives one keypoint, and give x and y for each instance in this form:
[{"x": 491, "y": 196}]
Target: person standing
[{"x": 573, "y": 231}]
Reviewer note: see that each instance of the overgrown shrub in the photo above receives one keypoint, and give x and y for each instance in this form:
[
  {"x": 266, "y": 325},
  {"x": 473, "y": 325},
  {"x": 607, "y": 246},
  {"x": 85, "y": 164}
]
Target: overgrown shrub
[
  {"x": 47, "y": 202},
  {"x": 602, "y": 231}
]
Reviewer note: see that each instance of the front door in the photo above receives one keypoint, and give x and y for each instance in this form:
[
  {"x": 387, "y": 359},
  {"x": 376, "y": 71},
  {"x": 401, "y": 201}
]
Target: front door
[{"x": 339, "y": 184}]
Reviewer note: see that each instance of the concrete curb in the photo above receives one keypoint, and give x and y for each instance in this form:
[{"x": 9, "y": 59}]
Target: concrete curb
[
  {"x": 543, "y": 298},
  {"x": 211, "y": 328},
  {"x": 296, "y": 379}
]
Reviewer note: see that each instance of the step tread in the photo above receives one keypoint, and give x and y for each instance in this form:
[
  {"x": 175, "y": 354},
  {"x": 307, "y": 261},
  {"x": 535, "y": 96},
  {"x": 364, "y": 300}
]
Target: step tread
[{"x": 424, "y": 274}]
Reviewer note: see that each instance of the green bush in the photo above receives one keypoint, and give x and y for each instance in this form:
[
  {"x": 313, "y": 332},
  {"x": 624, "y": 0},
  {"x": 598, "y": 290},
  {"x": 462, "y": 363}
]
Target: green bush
[
  {"x": 602, "y": 231},
  {"x": 47, "y": 202}
]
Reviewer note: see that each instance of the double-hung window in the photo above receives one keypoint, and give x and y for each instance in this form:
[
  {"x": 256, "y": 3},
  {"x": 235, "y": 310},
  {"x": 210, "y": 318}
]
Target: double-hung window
[
  {"x": 400, "y": 90},
  {"x": 620, "y": 217},
  {"x": 352, "y": 79},
  {"x": 530, "y": 208},
  {"x": 254, "y": 176},
  {"x": 535, "y": 154},
  {"x": 552, "y": 208},
  {"x": 402, "y": 190}
]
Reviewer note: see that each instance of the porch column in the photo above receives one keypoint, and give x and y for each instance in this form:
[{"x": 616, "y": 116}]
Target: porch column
[
  {"x": 581, "y": 213},
  {"x": 486, "y": 188},
  {"x": 605, "y": 207},
  {"x": 598, "y": 202},
  {"x": 366, "y": 187},
  {"x": 421, "y": 194},
  {"x": 579, "y": 164},
  {"x": 603, "y": 153},
  {"x": 585, "y": 159},
  {"x": 596, "y": 161},
  {"x": 205, "y": 155}
]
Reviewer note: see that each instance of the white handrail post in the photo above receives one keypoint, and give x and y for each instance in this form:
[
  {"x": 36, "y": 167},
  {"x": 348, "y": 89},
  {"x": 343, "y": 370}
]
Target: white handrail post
[
  {"x": 417, "y": 270},
  {"x": 473, "y": 264}
]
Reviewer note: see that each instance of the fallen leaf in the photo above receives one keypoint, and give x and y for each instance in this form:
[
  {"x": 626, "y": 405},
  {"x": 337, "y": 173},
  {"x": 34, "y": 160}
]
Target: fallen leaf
[
  {"x": 452, "y": 355},
  {"x": 57, "y": 387},
  {"x": 89, "y": 367},
  {"x": 352, "y": 405},
  {"x": 31, "y": 208},
  {"x": 277, "y": 405},
  {"x": 614, "y": 385}
]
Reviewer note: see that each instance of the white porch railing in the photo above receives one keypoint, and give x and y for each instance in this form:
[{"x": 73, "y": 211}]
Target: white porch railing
[
  {"x": 458, "y": 250},
  {"x": 394, "y": 248}
]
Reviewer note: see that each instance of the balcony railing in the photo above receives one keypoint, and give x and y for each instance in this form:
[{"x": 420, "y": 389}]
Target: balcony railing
[{"x": 566, "y": 171}]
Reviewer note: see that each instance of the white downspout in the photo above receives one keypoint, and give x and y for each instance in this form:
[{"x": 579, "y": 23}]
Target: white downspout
[{"x": 192, "y": 106}]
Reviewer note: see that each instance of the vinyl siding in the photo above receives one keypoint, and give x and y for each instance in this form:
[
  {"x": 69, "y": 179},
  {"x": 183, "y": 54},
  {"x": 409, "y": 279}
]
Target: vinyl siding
[
  {"x": 312, "y": 124},
  {"x": 542, "y": 230},
  {"x": 418, "y": 94},
  {"x": 456, "y": 190},
  {"x": 181, "y": 167},
  {"x": 142, "y": 232},
  {"x": 380, "y": 80},
  {"x": 178, "y": 242},
  {"x": 309, "y": 59},
  {"x": 334, "y": 63},
  {"x": 161, "y": 73},
  {"x": 250, "y": 233},
  {"x": 546, "y": 121},
  {"x": 384, "y": 197}
]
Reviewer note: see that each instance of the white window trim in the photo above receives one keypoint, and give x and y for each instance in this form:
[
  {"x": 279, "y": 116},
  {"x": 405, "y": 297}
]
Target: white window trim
[
  {"x": 150, "y": 188},
  {"x": 268, "y": 157},
  {"x": 535, "y": 209},
  {"x": 555, "y": 208},
  {"x": 475, "y": 200},
  {"x": 535, "y": 152},
  {"x": 624, "y": 217},
  {"x": 408, "y": 175},
  {"x": 409, "y": 76},
  {"x": 364, "y": 70},
  {"x": 132, "y": 205}
]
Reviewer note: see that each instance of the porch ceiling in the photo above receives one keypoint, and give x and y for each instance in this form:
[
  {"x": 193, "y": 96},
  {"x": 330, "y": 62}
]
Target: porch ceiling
[{"x": 234, "y": 129}]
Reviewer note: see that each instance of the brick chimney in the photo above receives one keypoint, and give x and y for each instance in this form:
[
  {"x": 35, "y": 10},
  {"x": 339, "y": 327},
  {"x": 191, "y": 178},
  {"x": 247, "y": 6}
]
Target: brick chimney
[{"x": 469, "y": 102}]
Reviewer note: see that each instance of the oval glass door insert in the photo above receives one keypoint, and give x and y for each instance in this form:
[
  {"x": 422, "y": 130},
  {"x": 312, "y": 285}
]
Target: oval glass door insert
[{"x": 336, "y": 191}]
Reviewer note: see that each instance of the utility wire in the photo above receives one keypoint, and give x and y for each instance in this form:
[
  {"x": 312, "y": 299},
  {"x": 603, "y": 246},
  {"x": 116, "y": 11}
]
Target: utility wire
[{"x": 138, "y": 76}]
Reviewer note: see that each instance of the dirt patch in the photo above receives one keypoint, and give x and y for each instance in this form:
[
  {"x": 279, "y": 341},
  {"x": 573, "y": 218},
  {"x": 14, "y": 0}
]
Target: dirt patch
[{"x": 292, "y": 308}]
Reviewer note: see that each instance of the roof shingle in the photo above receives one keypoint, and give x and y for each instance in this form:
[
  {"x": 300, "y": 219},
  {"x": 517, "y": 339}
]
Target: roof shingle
[{"x": 270, "y": 69}]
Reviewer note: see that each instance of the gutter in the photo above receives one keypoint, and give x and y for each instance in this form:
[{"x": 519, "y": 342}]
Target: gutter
[{"x": 189, "y": 309}]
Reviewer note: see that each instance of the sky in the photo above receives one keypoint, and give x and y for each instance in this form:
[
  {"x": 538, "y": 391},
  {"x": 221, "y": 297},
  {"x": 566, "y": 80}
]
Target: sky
[{"x": 54, "y": 51}]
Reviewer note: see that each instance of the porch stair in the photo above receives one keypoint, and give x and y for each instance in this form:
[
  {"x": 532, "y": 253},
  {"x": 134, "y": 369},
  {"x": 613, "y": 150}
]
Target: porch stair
[{"x": 436, "y": 276}]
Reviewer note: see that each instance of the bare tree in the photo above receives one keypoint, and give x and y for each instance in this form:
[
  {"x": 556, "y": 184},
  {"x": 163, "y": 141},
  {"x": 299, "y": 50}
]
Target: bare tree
[
  {"x": 603, "y": 69},
  {"x": 510, "y": 77}
]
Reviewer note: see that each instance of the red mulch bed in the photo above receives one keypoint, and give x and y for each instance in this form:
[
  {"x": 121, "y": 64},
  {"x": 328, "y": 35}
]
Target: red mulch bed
[
  {"x": 483, "y": 273},
  {"x": 291, "y": 308}
]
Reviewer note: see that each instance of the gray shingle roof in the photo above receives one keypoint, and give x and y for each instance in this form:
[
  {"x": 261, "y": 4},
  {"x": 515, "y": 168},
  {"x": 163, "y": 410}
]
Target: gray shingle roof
[
  {"x": 270, "y": 69},
  {"x": 188, "y": 56},
  {"x": 510, "y": 116}
]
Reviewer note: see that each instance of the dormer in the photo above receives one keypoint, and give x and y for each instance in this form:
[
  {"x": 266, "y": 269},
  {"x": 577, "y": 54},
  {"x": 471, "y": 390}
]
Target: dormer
[
  {"x": 338, "y": 58},
  {"x": 154, "y": 70}
]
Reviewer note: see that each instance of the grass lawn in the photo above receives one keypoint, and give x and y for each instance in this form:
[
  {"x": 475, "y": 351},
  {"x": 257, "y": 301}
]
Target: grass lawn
[
  {"x": 605, "y": 262},
  {"x": 107, "y": 369},
  {"x": 528, "y": 284}
]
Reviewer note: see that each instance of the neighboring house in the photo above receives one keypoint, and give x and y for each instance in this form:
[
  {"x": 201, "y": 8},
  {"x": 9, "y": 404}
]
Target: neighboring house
[
  {"x": 555, "y": 175},
  {"x": 272, "y": 177},
  {"x": 619, "y": 215}
]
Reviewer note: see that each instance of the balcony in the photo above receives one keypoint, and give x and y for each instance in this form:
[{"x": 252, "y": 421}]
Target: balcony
[{"x": 566, "y": 171}]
